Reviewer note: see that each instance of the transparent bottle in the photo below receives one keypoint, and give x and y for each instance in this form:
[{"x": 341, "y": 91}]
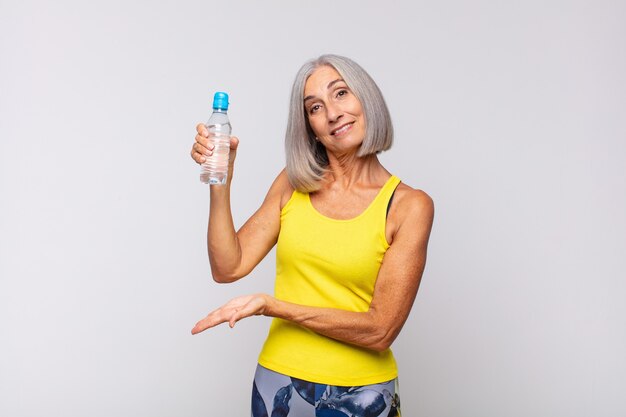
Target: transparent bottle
[{"x": 215, "y": 169}]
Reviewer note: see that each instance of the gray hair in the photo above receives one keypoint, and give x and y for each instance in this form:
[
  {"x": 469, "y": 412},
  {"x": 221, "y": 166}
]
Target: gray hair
[{"x": 307, "y": 160}]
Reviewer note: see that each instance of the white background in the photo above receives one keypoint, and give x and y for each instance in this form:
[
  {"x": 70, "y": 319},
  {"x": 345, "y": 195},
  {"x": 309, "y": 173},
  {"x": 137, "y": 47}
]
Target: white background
[{"x": 511, "y": 115}]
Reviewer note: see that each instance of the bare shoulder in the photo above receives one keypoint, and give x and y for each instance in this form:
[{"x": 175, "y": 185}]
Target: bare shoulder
[
  {"x": 411, "y": 202},
  {"x": 281, "y": 189},
  {"x": 411, "y": 214}
]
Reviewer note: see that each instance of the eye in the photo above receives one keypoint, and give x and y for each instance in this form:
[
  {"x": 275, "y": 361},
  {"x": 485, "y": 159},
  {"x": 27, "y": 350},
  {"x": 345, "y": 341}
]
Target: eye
[
  {"x": 342, "y": 92},
  {"x": 314, "y": 108}
]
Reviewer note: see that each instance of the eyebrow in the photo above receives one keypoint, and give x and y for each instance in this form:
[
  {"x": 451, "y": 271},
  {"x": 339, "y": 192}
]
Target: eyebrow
[{"x": 330, "y": 84}]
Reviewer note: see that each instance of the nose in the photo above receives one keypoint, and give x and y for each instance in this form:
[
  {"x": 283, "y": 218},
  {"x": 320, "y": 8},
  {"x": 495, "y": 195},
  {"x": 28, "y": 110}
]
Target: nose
[{"x": 333, "y": 112}]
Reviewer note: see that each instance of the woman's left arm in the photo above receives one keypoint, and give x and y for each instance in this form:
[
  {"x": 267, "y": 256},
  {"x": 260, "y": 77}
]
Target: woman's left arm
[{"x": 395, "y": 290}]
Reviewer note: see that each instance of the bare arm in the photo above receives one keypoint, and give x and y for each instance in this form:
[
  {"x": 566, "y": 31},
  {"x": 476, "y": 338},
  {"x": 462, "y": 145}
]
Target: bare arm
[
  {"x": 233, "y": 254},
  {"x": 394, "y": 293}
]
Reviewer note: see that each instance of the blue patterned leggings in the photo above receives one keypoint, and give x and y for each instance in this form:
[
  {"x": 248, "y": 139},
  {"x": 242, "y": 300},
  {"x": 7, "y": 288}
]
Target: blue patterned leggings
[{"x": 278, "y": 395}]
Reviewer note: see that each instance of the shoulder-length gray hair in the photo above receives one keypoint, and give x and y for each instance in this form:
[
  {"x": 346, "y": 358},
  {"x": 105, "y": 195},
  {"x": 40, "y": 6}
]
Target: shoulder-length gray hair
[{"x": 307, "y": 160}]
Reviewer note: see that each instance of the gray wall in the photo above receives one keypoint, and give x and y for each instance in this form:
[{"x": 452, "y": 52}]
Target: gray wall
[{"x": 510, "y": 115}]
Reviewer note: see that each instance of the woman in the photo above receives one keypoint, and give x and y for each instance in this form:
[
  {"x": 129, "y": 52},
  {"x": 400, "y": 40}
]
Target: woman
[{"x": 351, "y": 248}]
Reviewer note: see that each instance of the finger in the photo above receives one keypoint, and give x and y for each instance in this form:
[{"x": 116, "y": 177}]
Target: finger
[
  {"x": 203, "y": 325},
  {"x": 250, "y": 309},
  {"x": 236, "y": 316},
  {"x": 201, "y": 149},
  {"x": 225, "y": 313},
  {"x": 234, "y": 143},
  {"x": 219, "y": 315},
  {"x": 246, "y": 311},
  {"x": 202, "y": 130},
  {"x": 234, "y": 319},
  {"x": 199, "y": 157},
  {"x": 209, "y": 321},
  {"x": 203, "y": 143},
  {"x": 199, "y": 327}
]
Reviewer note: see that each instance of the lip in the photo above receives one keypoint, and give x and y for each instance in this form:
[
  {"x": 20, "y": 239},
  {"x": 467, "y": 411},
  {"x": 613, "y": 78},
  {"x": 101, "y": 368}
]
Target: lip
[{"x": 342, "y": 129}]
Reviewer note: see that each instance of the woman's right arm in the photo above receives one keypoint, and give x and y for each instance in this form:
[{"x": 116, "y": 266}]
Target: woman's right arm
[{"x": 233, "y": 254}]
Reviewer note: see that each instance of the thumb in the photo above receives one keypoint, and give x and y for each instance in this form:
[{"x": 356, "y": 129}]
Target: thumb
[
  {"x": 233, "y": 320},
  {"x": 234, "y": 143}
]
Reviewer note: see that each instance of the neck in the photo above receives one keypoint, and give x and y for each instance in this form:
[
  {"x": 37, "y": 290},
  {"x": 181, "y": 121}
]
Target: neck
[{"x": 347, "y": 170}]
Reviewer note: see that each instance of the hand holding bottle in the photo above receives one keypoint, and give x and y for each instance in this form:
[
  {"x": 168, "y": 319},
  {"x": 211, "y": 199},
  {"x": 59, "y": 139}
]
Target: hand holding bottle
[
  {"x": 214, "y": 169},
  {"x": 203, "y": 147}
]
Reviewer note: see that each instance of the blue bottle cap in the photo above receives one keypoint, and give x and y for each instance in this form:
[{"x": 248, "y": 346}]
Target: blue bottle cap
[{"x": 220, "y": 101}]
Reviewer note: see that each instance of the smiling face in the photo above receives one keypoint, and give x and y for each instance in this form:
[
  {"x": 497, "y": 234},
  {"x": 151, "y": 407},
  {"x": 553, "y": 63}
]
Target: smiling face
[{"x": 334, "y": 113}]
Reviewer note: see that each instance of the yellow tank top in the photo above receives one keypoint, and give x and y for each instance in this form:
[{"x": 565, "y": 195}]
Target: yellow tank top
[{"x": 325, "y": 262}]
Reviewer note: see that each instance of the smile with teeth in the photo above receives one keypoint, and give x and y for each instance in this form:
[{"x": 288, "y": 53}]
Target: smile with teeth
[{"x": 343, "y": 129}]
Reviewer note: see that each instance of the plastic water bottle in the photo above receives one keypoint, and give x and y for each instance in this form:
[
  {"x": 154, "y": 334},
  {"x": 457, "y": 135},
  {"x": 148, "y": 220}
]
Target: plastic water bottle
[{"x": 215, "y": 169}]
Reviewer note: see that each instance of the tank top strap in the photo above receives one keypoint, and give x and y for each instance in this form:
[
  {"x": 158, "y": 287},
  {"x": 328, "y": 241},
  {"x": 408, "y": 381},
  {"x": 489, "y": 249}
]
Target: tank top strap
[
  {"x": 381, "y": 202},
  {"x": 297, "y": 198}
]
